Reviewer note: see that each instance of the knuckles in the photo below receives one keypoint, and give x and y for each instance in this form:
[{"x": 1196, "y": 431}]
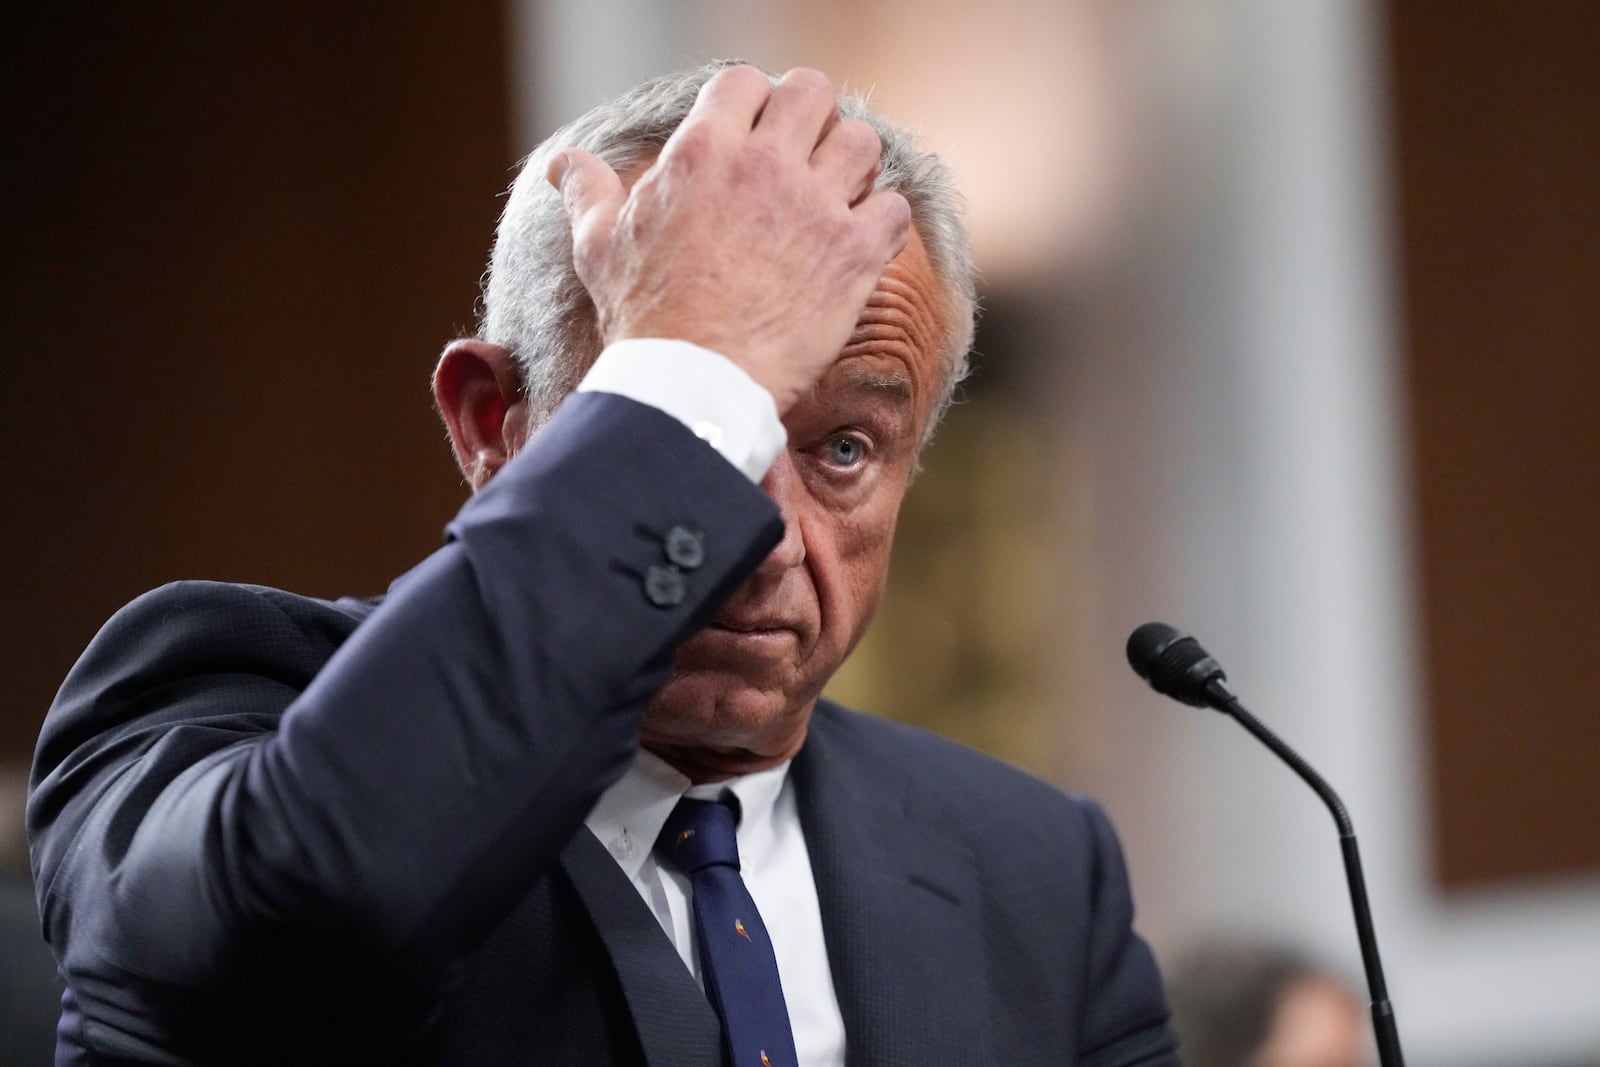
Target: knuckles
[{"x": 691, "y": 145}]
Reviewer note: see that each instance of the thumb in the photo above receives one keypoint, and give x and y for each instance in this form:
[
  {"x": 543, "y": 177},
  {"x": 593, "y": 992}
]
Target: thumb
[{"x": 592, "y": 193}]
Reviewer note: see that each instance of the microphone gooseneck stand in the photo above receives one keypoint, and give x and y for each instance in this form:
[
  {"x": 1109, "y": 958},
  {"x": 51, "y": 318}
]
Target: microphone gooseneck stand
[
  {"x": 1383, "y": 1022},
  {"x": 1177, "y": 666}
]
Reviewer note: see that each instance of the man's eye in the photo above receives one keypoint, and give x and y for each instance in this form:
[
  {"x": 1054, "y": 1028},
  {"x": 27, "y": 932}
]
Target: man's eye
[{"x": 845, "y": 451}]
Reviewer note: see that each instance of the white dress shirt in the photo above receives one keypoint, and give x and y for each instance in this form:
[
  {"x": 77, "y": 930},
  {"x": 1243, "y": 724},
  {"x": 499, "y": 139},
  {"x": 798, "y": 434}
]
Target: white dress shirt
[
  {"x": 702, "y": 389},
  {"x": 724, "y": 407}
]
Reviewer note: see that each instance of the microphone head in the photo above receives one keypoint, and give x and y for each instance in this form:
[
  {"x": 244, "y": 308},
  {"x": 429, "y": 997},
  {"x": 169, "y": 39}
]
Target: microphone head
[{"x": 1174, "y": 664}]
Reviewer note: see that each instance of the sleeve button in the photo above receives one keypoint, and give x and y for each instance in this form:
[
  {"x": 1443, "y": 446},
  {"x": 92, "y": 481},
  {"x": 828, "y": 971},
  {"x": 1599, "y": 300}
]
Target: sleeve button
[
  {"x": 663, "y": 585},
  {"x": 685, "y": 547}
]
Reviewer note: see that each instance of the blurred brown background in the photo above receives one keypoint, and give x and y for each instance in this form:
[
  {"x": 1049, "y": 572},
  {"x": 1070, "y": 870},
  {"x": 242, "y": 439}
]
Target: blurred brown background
[
  {"x": 1497, "y": 140},
  {"x": 240, "y": 236}
]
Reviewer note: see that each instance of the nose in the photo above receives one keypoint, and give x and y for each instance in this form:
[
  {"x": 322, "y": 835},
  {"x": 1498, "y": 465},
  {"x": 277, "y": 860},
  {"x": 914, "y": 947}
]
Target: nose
[{"x": 782, "y": 483}]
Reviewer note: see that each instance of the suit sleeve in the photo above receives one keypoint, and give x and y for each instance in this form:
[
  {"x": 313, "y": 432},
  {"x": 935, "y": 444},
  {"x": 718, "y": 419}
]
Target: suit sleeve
[
  {"x": 1125, "y": 1014},
  {"x": 232, "y": 837}
]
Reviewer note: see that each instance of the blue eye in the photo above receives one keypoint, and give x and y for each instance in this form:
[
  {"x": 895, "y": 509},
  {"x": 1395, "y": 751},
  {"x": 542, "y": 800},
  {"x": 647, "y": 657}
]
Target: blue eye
[{"x": 846, "y": 451}]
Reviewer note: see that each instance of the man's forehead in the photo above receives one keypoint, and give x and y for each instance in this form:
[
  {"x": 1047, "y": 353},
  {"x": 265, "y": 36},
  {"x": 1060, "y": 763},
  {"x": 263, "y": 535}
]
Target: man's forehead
[{"x": 899, "y": 340}]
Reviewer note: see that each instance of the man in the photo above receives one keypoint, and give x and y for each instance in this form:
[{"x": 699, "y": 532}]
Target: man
[{"x": 273, "y": 829}]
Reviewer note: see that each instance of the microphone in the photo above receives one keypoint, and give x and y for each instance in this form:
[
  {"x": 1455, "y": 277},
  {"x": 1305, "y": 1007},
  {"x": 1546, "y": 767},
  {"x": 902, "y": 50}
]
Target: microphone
[{"x": 1177, "y": 666}]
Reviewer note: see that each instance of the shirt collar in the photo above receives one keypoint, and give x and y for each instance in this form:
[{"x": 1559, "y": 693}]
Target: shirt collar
[
  {"x": 629, "y": 816},
  {"x": 758, "y": 798}
]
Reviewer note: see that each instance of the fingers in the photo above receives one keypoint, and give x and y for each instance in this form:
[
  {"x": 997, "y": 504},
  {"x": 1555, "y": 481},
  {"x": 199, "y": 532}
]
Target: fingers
[
  {"x": 798, "y": 117},
  {"x": 734, "y": 95},
  {"x": 887, "y": 217},
  {"x": 828, "y": 125},
  {"x": 593, "y": 195},
  {"x": 796, "y": 113},
  {"x": 848, "y": 155},
  {"x": 803, "y": 108}
]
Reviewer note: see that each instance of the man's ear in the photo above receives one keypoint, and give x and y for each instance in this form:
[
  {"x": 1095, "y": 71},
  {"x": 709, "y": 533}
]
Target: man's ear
[{"x": 478, "y": 389}]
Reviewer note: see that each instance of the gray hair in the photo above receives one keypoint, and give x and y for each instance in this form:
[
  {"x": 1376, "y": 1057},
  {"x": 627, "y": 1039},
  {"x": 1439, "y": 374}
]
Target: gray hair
[{"x": 534, "y": 305}]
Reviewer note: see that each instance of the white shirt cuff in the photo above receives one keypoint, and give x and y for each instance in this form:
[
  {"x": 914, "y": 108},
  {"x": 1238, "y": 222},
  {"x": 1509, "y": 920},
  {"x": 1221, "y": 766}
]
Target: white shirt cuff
[{"x": 704, "y": 390}]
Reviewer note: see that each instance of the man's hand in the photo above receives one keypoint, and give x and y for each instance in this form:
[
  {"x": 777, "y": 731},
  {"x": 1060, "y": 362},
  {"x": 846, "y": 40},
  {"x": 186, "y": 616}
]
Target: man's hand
[{"x": 756, "y": 233}]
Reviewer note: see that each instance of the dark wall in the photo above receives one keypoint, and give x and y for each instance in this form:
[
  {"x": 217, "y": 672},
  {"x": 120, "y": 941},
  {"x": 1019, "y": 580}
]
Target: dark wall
[
  {"x": 240, "y": 238},
  {"x": 1497, "y": 140}
]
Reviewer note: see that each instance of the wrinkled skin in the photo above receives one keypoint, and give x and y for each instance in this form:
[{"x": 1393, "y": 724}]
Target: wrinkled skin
[{"x": 757, "y": 234}]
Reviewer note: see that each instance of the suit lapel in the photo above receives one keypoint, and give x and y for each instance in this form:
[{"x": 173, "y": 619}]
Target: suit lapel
[
  {"x": 900, "y": 906},
  {"x": 675, "y": 1022}
]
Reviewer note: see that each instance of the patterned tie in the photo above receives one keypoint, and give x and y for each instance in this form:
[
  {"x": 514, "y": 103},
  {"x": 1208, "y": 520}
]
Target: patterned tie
[{"x": 736, "y": 960}]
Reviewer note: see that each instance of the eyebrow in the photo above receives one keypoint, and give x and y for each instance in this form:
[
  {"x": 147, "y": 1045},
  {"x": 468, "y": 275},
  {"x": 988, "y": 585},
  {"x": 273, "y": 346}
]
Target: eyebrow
[{"x": 894, "y": 384}]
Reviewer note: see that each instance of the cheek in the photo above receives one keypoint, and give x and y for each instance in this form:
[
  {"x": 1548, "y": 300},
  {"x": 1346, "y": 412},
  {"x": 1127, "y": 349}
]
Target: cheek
[{"x": 856, "y": 567}]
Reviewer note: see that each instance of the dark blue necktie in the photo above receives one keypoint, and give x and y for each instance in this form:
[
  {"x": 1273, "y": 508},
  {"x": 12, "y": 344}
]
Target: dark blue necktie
[{"x": 736, "y": 959}]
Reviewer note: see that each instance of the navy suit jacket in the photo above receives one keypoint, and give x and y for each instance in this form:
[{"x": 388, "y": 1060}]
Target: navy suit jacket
[{"x": 274, "y": 829}]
